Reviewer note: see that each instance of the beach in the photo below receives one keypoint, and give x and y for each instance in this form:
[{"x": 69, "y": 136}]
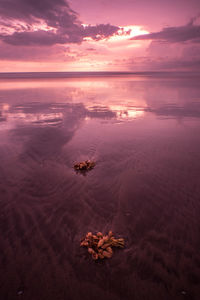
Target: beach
[{"x": 143, "y": 132}]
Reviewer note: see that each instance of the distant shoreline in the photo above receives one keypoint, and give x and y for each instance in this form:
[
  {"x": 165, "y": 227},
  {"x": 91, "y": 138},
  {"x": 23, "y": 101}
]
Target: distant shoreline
[{"x": 28, "y": 75}]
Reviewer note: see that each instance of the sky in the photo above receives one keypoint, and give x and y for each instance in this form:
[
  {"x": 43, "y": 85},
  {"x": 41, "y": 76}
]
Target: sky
[{"x": 99, "y": 35}]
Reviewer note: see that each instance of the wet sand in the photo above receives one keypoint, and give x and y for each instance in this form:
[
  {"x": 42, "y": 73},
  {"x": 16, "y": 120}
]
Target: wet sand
[{"x": 143, "y": 134}]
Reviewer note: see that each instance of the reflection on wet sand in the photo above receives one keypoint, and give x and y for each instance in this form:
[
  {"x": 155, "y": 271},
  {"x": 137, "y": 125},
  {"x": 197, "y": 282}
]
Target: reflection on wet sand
[
  {"x": 145, "y": 187},
  {"x": 191, "y": 110},
  {"x": 56, "y": 113}
]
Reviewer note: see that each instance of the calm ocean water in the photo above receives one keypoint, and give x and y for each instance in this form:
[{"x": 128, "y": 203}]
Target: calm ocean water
[{"x": 143, "y": 131}]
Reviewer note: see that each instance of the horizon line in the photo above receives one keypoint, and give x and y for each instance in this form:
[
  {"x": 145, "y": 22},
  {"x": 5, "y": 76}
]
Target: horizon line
[{"x": 68, "y": 74}]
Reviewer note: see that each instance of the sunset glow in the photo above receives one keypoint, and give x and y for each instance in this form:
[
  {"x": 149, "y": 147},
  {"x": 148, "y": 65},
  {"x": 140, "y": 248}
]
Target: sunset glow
[{"x": 94, "y": 36}]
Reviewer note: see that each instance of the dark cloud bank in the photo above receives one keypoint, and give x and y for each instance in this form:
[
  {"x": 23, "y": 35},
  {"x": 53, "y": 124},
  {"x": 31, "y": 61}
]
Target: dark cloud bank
[
  {"x": 188, "y": 32},
  {"x": 19, "y": 18}
]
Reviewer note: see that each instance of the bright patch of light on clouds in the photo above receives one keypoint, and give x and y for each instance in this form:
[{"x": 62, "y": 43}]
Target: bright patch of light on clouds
[
  {"x": 127, "y": 32},
  {"x": 124, "y": 33},
  {"x": 20, "y": 26}
]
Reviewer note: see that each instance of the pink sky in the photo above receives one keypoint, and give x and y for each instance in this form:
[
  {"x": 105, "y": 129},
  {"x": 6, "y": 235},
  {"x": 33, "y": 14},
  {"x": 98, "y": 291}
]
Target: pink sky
[{"x": 94, "y": 35}]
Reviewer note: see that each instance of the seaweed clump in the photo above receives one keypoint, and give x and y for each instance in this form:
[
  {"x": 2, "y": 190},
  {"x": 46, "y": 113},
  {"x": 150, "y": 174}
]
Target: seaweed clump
[
  {"x": 84, "y": 165},
  {"x": 100, "y": 246}
]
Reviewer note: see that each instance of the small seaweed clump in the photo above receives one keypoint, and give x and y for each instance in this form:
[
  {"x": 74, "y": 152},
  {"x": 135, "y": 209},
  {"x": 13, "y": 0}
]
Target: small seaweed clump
[
  {"x": 84, "y": 165},
  {"x": 100, "y": 246}
]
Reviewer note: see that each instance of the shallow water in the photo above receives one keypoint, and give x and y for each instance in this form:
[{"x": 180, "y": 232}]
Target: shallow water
[{"x": 144, "y": 134}]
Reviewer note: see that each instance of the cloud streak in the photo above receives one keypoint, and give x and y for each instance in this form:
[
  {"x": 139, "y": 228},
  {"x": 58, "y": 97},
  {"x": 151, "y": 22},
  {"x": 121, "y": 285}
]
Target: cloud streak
[{"x": 188, "y": 32}]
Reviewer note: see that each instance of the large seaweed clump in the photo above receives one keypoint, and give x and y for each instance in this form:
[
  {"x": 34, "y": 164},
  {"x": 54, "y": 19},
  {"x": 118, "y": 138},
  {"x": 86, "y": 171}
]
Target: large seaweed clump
[{"x": 100, "y": 246}]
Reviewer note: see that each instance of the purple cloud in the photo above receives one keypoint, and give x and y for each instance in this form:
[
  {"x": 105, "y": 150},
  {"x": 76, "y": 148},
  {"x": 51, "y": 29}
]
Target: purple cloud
[
  {"x": 100, "y": 31},
  {"x": 34, "y": 53},
  {"x": 189, "y": 32},
  {"x": 39, "y": 37},
  {"x": 46, "y": 22},
  {"x": 54, "y": 13}
]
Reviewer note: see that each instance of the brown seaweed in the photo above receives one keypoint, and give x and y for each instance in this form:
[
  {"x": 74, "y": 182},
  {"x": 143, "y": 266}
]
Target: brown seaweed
[
  {"x": 100, "y": 246},
  {"x": 84, "y": 165}
]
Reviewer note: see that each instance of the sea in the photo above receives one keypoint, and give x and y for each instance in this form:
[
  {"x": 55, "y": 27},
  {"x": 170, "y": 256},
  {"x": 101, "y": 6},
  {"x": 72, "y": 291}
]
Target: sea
[{"x": 142, "y": 130}]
